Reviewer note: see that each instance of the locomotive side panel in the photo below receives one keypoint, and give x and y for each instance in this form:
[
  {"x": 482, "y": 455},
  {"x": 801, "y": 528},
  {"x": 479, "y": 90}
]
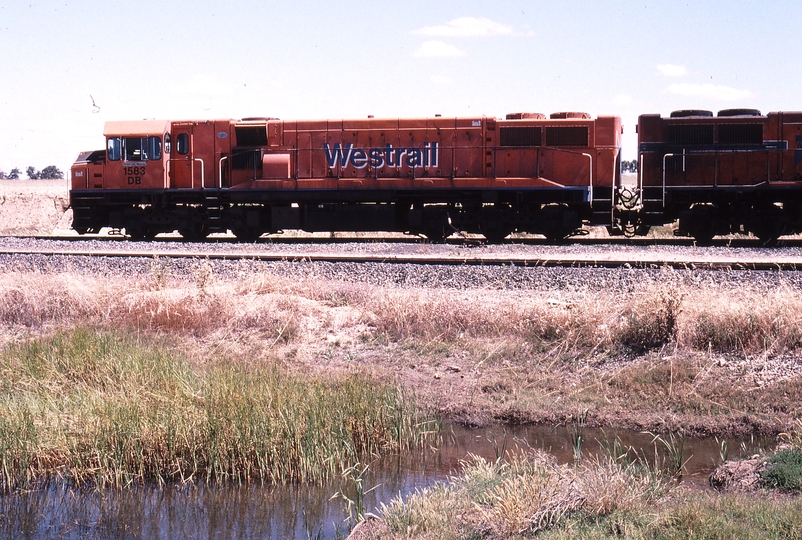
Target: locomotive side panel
[
  {"x": 608, "y": 130},
  {"x": 469, "y": 152},
  {"x": 380, "y": 154}
]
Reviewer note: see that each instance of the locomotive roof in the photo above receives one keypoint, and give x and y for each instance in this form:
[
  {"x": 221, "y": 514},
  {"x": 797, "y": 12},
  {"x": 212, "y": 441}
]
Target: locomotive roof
[{"x": 136, "y": 127}]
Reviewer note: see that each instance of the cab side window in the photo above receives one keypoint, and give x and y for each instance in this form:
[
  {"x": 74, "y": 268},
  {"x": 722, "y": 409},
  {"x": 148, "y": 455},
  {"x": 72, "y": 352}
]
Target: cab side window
[
  {"x": 114, "y": 148},
  {"x": 182, "y": 144},
  {"x": 154, "y": 148}
]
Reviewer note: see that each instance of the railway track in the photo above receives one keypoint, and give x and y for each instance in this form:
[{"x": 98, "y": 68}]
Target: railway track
[
  {"x": 737, "y": 242},
  {"x": 622, "y": 255}
]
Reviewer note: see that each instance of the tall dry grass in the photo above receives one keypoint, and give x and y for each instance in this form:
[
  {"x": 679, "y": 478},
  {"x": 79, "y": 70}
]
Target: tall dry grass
[
  {"x": 105, "y": 409},
  {"x": 520, "y": 496},
  {"x": 664, "y": 312}
]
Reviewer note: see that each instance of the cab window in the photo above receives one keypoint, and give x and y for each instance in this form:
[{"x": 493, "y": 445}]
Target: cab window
[
  {"x": 134, "y": 148},
  {"x": 182, "y": 144},
  {"x": 114, "y": 149}
]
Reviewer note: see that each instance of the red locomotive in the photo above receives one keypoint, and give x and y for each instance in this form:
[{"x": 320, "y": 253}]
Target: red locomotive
[
  {"x": 430, "y": 176},
  {"x": 736, "y": 172}
]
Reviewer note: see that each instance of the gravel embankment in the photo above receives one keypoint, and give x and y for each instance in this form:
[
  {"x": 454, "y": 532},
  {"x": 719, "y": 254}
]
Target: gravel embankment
[{"x": 298, "y": 264}]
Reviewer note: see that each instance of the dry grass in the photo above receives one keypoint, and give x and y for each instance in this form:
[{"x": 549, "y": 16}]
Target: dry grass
[
  {"x": 526, "y": 496},
  {"x": 582, "y": 323},
  {"x": 659, "y": 357},
  {"x": 106, "y": 409},
  {"x": 521, "y": 496}
]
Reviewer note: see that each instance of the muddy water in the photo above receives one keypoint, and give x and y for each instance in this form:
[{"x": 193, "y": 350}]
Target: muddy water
[{"x": 301, "y": 512}]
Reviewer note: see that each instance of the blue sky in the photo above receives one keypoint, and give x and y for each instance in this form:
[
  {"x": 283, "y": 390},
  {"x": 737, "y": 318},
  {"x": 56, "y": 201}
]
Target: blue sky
[{"x": 69, "y": 66}]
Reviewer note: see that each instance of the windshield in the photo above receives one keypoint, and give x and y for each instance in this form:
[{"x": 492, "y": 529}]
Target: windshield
[{"x": 134, "y": 148}]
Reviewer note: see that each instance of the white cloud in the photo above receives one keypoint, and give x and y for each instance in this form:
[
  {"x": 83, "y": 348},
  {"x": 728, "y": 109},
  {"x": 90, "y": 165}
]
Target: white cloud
[
  {"x": 467, "y": 27},
  {"x": 710, "y": 91},
  {"x": 437, "y": 49},
  {"x": 672, "y": 70}
]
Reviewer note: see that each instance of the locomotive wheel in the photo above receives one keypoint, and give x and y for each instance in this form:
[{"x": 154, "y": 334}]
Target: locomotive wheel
[
  {"x": 702, "y": 235},
  {"x": 768, "y": 225},
  {"x": 140, "y": 233},
  {"x": 494, "y": 222},
  {"x": 196, "y": 233},
  {"x": 558, "y": 223},
  {"x": 495, "y": 234},
  {"x": 699, "y": 222},
  {"x": 247, "y": 235},
  {"x": 770, "y": 235},
  {"x": 436, "y": 235},
  {"x": 702, "y": 231},
  {"x": 495, "y": 237}
]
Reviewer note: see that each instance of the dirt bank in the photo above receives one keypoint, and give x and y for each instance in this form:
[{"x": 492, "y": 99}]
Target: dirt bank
[{"x": 34, "y": 207}]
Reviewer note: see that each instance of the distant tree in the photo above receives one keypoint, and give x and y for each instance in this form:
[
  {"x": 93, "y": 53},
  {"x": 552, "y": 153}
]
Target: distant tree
[
  {"x": 629, "y": 166},
  {"x": 51, "y": 172},
  {"x": 32, "y": 174},
  {"x": 3, "y": 175},
  {"x": 14, "y": 174}
]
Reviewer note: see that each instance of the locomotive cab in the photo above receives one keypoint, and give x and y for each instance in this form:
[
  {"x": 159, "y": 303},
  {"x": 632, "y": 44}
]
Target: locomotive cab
[{"x": 137, "y": 154}]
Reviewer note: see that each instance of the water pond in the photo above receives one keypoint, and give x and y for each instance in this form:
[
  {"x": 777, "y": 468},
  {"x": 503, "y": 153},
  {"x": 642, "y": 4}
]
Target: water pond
[{"x": 301, "y": 512}]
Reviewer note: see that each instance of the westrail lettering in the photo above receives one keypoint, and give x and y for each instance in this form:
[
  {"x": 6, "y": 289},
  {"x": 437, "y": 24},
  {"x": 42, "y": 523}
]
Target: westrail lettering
[{"x": 389, "y": 156}]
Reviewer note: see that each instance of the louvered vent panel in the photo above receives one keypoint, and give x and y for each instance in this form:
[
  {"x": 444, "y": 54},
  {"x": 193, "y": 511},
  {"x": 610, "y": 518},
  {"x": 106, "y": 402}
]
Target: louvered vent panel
[
  {"x": 520, "y": 136},
  {"x": 567, "y": 136},
  {"x": 690, "y": 135},
  {"x": 740, "y": 134}
]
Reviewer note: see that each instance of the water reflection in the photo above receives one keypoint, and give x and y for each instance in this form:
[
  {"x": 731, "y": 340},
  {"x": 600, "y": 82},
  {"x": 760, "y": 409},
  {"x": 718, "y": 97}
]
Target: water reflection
[{"x": 296, "y": 511}]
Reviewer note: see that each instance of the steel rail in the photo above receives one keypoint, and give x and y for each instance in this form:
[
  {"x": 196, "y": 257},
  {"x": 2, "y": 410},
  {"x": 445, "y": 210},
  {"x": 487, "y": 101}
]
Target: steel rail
[
  {"x": 794, "y": 241},
  {"x": 612, "y": 261}
]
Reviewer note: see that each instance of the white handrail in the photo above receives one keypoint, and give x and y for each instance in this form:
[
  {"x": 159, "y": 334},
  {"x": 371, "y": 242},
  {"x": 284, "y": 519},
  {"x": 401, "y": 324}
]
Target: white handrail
[
  {"x": 203, "y": 177},
  {"x": 590, "y": 186},
  {"x": 664, "y": 176},
  {"x": 220, "y": 169}
]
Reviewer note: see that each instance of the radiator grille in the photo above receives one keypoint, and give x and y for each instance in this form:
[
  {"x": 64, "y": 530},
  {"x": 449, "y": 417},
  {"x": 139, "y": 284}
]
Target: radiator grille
[
  {"x": 740, "y": 134},
  {"x": 520, "y": 136},
  {"x": 567, "y": 136},
  {"x": 690, "y": 135},
  {"x": 246, "y": 159}
]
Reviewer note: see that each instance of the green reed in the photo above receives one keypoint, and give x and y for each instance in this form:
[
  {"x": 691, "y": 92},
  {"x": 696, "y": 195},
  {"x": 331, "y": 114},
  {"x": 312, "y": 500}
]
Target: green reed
[{"x": 105, "y": 409}]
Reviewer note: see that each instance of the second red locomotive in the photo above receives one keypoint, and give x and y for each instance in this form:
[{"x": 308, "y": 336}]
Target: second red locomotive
[{"x": 737, "y": 172}]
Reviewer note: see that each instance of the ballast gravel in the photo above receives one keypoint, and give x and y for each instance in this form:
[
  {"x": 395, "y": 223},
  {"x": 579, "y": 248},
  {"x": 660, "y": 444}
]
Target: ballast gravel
[{"x": 298, "y": 260}]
